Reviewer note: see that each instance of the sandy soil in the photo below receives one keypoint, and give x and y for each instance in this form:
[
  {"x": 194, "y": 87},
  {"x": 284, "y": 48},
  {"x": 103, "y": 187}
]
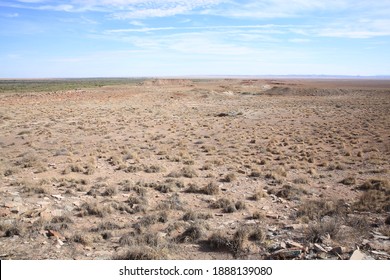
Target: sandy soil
[{"x": 197, "y": 169}]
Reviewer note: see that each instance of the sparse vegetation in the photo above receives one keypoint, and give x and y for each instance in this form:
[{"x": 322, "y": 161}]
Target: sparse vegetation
[{"x": 177, "y": 169}]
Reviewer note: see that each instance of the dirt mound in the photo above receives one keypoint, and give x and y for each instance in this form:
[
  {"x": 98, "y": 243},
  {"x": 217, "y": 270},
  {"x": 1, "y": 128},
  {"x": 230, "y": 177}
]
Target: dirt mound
[
  {"x": 278, "y": 90},
  {"x": 167, "y": 82}
]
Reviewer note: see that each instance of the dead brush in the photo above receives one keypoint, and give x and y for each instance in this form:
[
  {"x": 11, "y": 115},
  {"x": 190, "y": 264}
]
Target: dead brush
[
  {"x": 81, "y": 238},
  {"x": 95, "y": 209},
  {"x": 105, "y": 226},
  {"x": 219, "y": 241},
  {"x": 193, "y": 216},
  {"x": 376, "y": 196},
  {"x": 257, "y": 234},
  {"x": 258, "y": 195},
  {"x": 315, "y": 210},
  {"x": 27, "y": 160},
  {"x": 142, "y": 253},
  {"x": 230, "y": 177},
  {"x": 33, "y": 187},
  {"x": 238, "y": 241},
  {"x": 290, "y": 192},
  {"x": 172, "y": 203},
  {"x": 12, "y": 229},
  {"x": 348, "y": 181},
  {"x": 187, "y": 172},
  {"x": 227, "y": 205},
  {"x": 192, "y": 233},
  {"x": 235, "y": 245},
  {"x": 317, "y": 231},
  {"x": 210, "y": 189},
  {"x": 375, "y": 184},
  {"x": 110, "y": 191},
  {"x": 154, "y": 169}
]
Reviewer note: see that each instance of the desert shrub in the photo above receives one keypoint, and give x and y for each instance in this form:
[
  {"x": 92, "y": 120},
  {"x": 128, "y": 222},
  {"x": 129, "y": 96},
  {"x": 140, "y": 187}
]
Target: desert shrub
[
  {"x": 255, "y": 174},
  {"x": 10, "y": 230},
  {"x": 124, "y": 207},
  {"x": 141, "y": 253},
  {"x": 240, "y": 205},
  {"x": 10, "y": 171},
  {"x": 230, "y": 177},
  {"x": 110, "y": 191},
  {"x": 186, "y": 171},
  {"x": 318, "y": 230},
  {"x": 257, "y": 234},
  {"x": 192, "y": 233},
  {"x": 227, "y": 205},
  {"x": 257, "y": 215},
  {"x": 165, "y": 187},
  {"x": 375, "y": 184},
  {"x": 172, "y": 203},
  {"x": 348, "y": 181},
  {"x": 106, "y": 225},
  {"x": 211, "y": 189},
  {"x": 62, "y": 219},
  {"x": 290, "y": 192},
  {"x": 193, "y": 188},
  {"x": 154, "y": 169},
  {"x": 132, "y": 169},
  {"x": 28, "y": 159},
  {"x": 259, "y": 194},
  {"x": 373, "y": 200},
  {"x": 237, "y": 242},
  {"x": 33, "y": 187},
  {"x": 81, "y": 238},
  {"x": 161, "y": 217},
  {"x": 193, "y": 216},
  {"x": 95, "y": 209},
  {"x": 359, "y": 224},
  {"x": 317, "y": 209},
  {"x": 219, "y": 241}
]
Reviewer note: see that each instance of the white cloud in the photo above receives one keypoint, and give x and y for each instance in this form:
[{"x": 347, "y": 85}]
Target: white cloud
[
  {"x": 119, "y": 9},
  {"x": 361, "y": 28},
  {"x": 137, "y": 23},
  {"x": 12, "y": 15}
]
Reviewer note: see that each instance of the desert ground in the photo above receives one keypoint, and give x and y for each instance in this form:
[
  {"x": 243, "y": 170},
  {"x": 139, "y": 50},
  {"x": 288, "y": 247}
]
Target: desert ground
[{"x": 196, "y": 169}]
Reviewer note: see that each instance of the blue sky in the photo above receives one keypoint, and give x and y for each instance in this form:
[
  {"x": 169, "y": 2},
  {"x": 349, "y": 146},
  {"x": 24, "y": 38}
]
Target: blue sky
[{"x": 112, "y": 38}]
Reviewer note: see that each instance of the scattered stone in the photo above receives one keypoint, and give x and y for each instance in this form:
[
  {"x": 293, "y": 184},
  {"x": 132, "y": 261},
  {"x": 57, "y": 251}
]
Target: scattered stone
[
  {"x": 272, "y": 216},
  {"x": 56, "y": 234},
  {"x": 338, "y": 250},
  {"x": 295, "y": 226},
  {"x": 272, "y": 229},
  {"x": 358, "y": 255},
  {"x": 287, "y": 253},
  {"x": 380, "y": 253},
  {"x": 293, "y": 244},
  {"x": 319, "y": 248},
  {"x": 57, "y": 196},
  {"x": 381, "y": 237},
  {"x": 57, "y": 212}
]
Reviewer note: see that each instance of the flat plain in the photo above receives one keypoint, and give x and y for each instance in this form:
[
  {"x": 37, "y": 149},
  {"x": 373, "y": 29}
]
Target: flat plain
[{"x": 195, "y": 169}]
